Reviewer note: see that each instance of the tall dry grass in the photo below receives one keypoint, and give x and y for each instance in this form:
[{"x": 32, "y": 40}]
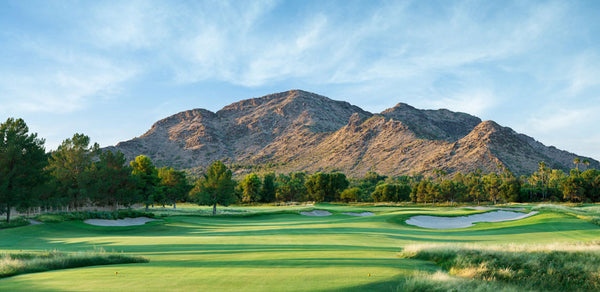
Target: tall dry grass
[
  {"x": 16, "y": 263},
  {"x": 550, "y": 267}
]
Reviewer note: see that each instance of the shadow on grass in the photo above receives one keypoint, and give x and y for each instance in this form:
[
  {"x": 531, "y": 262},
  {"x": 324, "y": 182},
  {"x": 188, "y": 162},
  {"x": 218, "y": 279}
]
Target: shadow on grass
[
  {"x": 359, "y": 263},
  {"x": 57, "y": 235}
]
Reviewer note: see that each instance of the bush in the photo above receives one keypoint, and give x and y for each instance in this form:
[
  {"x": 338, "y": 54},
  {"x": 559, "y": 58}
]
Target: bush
[{"x": 16, "y": 222}]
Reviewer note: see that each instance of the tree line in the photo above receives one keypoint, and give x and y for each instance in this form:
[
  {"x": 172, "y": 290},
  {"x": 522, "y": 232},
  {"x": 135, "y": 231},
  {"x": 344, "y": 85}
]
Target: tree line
[{"x": 79, "y": 174}]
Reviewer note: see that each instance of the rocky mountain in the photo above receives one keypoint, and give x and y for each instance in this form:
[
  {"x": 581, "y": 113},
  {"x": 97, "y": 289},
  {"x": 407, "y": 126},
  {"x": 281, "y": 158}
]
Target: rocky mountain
[{"x": 303, "y": 131}]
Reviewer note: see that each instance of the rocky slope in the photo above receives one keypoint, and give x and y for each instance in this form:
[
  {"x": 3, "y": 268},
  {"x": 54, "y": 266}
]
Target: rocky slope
[{"x": 302, "y": 131}]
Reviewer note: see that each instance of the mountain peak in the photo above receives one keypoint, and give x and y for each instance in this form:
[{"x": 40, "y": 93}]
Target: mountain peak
[
  {"x": 399, "y": 107},
  {"x": 433, "y": 124},
  {"x": 298, "y": 130}
]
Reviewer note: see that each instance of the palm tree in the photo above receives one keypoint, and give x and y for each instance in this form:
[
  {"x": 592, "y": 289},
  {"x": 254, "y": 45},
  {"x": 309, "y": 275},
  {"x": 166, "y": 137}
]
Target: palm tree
[
  {"x": 577, "y": 161},
  {"x": 587, "y": 163}
]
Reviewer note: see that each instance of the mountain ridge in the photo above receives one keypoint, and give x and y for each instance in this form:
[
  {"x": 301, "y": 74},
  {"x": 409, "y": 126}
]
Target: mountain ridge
[{"x": 301, "y": 131}]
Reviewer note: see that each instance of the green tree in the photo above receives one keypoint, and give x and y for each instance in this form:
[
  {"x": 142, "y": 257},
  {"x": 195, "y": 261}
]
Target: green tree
[
  {"x": 492, "y": 183},
  {"x": 216, "y": 187},
  {"x": 174, "y": 185},
  {"x": 22, "y": 162},
  {"x": 510, "y": 189},
  {"x": 147, "y": 177},
  {"x": 475, "y": 187},
  {"x": 403, "y": 192},
  {"x": 351, "y": 194},
  {"x": 441, "y": 174},
  {"x": 370, "y": 181},
  {"x": 448, "y": 191},
  {"x": 391, "y": 193},
  {"x": 318, "y": 186},
  {"x": 541, "y": 179},
  {"x": 114, "y": 184},
  {"x": 268, "y": 190},
  {"x": 70, "y": 165},
  {"x": 384, "y": 193},
  {"x": 573, "y": 188},
  {"x": 326, "y": 186},
  {"x": 555, "y": 178},
  {"x": 433, "y": 193},
  {"x": 591, "y": 179},
  {"x": 338, "y": 183},
  {"x": 291, "y": 187},
  {"x": 419, "y": 193},
  {"x": 251, "y": 186}
]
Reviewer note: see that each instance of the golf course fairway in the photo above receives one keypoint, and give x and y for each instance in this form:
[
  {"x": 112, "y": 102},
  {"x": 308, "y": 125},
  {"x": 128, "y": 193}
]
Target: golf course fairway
[{"x": 271, "y": 252}]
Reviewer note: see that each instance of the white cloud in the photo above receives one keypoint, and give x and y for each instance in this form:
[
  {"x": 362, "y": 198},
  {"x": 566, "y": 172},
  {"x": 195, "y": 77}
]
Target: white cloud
[
  {"x": 66, "y": 82},
  {"x": 583, "y": 74},
  {"x": 291, "y": 57},
  {"x": 444, "y": 56},
  {"x": 473, "y": 101},
  {"x": 563, "y": 119}
]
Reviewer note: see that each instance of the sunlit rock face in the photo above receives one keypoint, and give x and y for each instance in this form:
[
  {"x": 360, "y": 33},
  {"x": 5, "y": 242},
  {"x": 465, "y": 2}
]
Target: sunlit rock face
[{"x": 302, "y": 131}]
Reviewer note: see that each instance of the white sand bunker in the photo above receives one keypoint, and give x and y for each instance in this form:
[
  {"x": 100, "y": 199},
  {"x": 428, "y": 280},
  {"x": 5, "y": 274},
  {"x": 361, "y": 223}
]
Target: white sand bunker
[
  {"x": 34, "y": 222},
  {"x": 120, "y": 222},
  {"x": 316, "y": 213},
  {"x": 363, "y": 214},
  {"x": 494, "y": 208},
  {"x": 437, "y": 222}
]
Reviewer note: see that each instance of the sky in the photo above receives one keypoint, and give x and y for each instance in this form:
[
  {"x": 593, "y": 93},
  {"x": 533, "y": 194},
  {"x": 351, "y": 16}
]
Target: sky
[{"x": 110, "y": 69}]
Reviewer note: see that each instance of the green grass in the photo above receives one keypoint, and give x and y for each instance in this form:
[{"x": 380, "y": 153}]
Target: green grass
[
  {"x": 17, "y": 263},
  {"x": 15, "y": 222},
  {"x": 276, "y": 249},
  {"x": 588, "y": 213}
]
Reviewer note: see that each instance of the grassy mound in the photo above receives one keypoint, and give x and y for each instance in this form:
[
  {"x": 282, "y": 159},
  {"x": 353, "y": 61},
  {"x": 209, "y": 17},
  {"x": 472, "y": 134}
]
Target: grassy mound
[
  {"x": 537, "y": 268},
  {"x": 84, "y": 215},
  {"x": 12, "y": 264},
  {"x": 590, "y": 214},
  {"x": 16, "y": 222}
]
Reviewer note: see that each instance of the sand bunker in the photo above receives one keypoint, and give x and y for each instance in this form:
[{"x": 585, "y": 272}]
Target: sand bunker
[
  {"x": 494, "y": 208},
  {"x": 120, "y": 222},
  {"x": 34, "y": 222},
  {"x": 316, "y": 213},
  {"x": 359, "y": 214},
  {"x": 437, "y": 222}
]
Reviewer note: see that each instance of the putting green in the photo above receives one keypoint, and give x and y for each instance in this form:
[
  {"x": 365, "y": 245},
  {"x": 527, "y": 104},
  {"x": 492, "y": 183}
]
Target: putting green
[{"x": 280, "y": 252}]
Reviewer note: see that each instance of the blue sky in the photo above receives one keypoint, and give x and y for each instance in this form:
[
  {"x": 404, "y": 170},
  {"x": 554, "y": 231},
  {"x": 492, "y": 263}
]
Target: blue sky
[{"x": 110, "y": 69}]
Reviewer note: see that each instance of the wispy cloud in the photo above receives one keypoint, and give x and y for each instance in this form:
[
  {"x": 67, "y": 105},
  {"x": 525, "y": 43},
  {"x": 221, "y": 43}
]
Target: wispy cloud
[
  {"x": 128, "y": 25},
  {"x": 583, "y": 74},
  {"x": 66, "y": 82},
  {"x": 563, "y": 119},
  {"x": 470, "y": 56},
  {"x": 475, "y": 101}
]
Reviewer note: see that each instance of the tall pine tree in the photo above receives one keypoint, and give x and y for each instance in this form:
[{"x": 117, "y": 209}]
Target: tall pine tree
[{"x": 22, "y": 162}]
